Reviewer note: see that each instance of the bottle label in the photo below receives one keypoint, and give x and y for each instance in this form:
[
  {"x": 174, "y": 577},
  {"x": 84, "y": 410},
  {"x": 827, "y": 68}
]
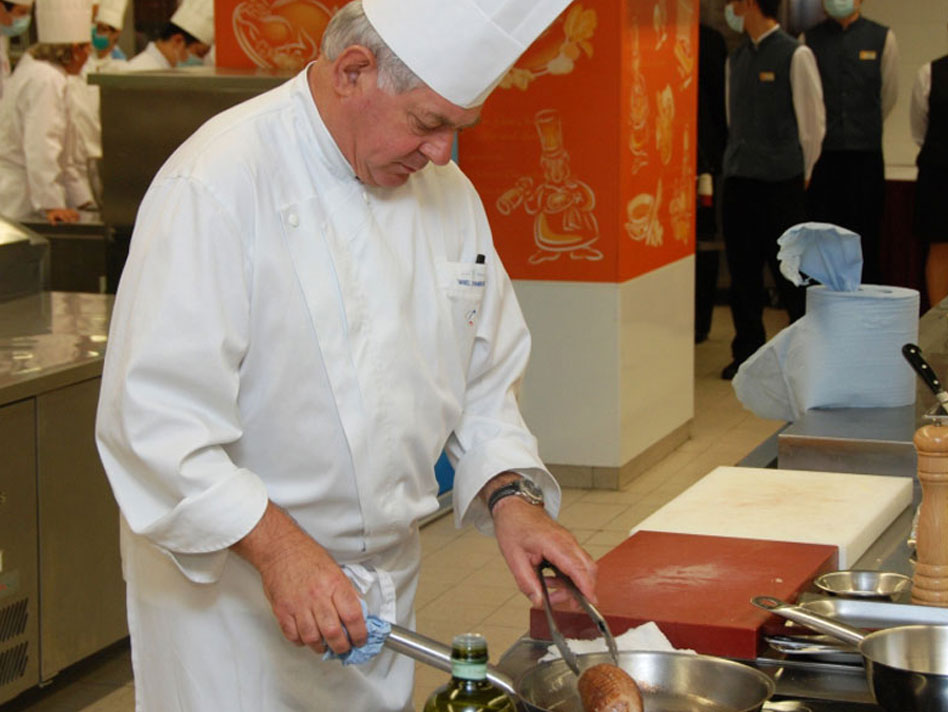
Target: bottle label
[{"x": 466, "y": 670}]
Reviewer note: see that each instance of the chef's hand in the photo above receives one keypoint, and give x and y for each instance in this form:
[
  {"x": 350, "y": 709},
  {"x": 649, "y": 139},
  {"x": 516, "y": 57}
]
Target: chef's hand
[
  {"x": 313, "y": 601},
  {"x": 58, "y": 215},
  {"x": 526, "y": 535}
]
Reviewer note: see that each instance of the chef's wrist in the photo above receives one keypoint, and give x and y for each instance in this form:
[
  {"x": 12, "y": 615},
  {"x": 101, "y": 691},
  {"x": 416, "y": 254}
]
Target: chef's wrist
[{"x": 495, "y": 483}]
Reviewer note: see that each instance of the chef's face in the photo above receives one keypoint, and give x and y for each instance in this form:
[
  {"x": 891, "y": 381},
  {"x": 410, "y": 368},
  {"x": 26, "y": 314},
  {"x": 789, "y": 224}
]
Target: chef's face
[{"x": 395, "y": 135}]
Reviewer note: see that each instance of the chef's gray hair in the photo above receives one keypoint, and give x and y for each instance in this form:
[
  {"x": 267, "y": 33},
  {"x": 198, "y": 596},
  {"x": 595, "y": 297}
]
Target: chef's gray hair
[
  {"x": 349, "y": 26},
  {"x": 60, "y": 54}
]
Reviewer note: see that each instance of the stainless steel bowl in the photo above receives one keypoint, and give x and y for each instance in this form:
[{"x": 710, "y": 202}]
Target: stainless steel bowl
[{"x": 864, "y": 584}]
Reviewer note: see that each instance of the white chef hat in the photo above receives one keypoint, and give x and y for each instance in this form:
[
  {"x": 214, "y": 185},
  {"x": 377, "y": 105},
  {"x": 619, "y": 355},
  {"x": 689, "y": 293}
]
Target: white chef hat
[
  {"x": 63, "y": 21},
  {"x": 461, "y": 48},
  {"x": 112, "y": 13},
  {"x": 196, "y": 17}
]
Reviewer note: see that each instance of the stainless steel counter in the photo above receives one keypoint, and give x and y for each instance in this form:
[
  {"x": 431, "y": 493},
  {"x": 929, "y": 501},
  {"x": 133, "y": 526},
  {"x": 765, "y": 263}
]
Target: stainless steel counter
[
  {"x": 49, "y": 340},
  {"x": 61, "y": 592}
]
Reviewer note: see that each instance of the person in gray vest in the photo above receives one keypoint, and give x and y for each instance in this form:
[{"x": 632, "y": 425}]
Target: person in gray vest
[
  {"x": 929, "y": 122},
  {"x": 776, "y": 122},
  {"x": 859, "y": 63}
]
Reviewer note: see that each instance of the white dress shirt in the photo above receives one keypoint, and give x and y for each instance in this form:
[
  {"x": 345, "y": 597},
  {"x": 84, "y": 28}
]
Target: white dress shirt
[
  {"x": 918, "y": 109},
  {"x": 808, "y": 103}
]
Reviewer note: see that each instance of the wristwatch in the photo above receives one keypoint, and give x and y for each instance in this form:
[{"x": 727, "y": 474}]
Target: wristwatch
[{"x": 522, "y": 488}]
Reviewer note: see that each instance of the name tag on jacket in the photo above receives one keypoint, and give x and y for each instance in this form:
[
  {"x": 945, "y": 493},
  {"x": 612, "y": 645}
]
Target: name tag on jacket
[
  {"x": 868, "y": 55},
  {"x": 768, "y": 77}
]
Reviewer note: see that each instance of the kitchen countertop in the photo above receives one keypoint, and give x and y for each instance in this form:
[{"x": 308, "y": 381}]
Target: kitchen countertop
[{"x": 49, "y": 340}]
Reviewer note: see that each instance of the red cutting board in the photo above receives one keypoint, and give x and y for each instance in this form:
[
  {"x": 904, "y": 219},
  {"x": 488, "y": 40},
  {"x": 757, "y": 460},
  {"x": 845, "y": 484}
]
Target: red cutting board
[{"x": 696, "y": 588}]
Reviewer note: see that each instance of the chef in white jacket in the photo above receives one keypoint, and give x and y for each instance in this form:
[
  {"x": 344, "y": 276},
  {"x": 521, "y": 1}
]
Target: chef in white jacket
[
  {"x": 15, "y": 19},
  {"x": 84, "y": 97},
  {"x": 37, "y": 169},
  {"x": 312, "y": 309},
  {"x": 185, "y": 41}
]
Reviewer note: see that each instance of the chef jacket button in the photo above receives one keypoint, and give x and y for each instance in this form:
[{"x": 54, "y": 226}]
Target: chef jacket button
[{"x": 293, "y": 219}]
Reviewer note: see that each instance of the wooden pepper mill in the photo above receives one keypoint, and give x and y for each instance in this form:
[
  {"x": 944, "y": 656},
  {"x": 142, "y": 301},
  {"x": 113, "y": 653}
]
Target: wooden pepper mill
[{"x": 930, "y": 585}]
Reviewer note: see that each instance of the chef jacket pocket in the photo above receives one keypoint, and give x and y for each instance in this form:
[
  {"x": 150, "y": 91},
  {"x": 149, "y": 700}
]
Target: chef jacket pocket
[{"x": 463, "y": 283}]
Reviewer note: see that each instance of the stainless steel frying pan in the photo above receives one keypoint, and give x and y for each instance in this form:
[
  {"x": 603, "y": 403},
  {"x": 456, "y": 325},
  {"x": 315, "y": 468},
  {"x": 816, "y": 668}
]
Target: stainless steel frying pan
[
  {"x": 671, "y": 682},
  {"x": 906, "y": 666}
]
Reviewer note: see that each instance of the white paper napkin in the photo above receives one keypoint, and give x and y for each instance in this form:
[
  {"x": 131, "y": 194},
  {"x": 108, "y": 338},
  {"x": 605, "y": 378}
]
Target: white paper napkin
[{"x": 647, "y": 636}]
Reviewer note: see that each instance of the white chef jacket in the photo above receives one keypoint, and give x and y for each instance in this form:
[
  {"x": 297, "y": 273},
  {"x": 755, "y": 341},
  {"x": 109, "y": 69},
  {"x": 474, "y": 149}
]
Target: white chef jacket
[
  {"x": 148, "y": 59},
  {"x": 282, "y": 330},
  {"x": 37, "y": 143},
  {"x": 807, "y": 90},
  {"x": 5, "y": 69},
  {"x": 84, "y": 109},
  {"x": 918, "y": 109}
]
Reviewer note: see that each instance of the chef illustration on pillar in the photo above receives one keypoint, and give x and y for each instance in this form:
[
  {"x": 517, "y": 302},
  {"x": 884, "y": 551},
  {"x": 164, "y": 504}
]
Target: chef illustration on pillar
[
  {"x": 776, "y": 121},
  {"x": 183, "y": 42},
  {"x": 312, "y": 309},
  {"x": 859, "y": 67}
]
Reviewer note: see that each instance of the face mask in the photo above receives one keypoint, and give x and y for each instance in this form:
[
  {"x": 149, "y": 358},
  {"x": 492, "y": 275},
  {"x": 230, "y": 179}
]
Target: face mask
[
  {"x": 99, "y": 42},
  {"x": 735, "y": 22},
  {"x": 839, "y": 9},
  {"x": 192, "y": 61},
  {"x": 17, "y": 27}
]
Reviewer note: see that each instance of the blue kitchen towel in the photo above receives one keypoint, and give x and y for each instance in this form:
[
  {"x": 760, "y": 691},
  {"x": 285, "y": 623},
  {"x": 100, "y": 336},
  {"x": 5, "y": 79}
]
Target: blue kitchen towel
[
  {"x": 829, "y": 254},
  {"x": 378, "y": 632}
]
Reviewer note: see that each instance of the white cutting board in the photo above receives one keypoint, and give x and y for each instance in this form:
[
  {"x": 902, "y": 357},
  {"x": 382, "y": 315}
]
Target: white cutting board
[{"x": 844, "y": 510}]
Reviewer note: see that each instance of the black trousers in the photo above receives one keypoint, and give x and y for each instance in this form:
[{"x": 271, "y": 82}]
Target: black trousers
[
  {"x": 755, "y": 214},
  {"x": 848, "y": 189},
  {"x": 706, "y": 269}
]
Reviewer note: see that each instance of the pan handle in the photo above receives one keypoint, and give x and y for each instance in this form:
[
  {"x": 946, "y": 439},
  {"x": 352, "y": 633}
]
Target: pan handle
[
  {"x": 798, "y": 614},
  {"x": 438, "y": 655}
]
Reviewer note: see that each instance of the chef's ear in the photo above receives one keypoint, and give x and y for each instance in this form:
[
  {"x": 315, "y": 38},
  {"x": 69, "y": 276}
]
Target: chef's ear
[{"x": 354, "y": 65}]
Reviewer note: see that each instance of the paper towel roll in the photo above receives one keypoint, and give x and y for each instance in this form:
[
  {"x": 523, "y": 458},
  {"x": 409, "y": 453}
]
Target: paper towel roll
[{"x": 844, "y": 353}]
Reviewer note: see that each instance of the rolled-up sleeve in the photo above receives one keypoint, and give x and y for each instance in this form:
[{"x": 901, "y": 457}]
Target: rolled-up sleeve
[{"x": 168, "y": 405}]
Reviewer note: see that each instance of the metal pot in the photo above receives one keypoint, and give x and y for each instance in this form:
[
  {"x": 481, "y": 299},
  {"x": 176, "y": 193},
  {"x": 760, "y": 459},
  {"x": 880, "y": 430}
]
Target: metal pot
[
  {"x": 668, "y": 681},
  {"x": 906, "y": 666}
]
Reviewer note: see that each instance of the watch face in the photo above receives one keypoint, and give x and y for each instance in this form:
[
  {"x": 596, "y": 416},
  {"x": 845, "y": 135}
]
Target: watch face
[{"x": 529, "y": 488}]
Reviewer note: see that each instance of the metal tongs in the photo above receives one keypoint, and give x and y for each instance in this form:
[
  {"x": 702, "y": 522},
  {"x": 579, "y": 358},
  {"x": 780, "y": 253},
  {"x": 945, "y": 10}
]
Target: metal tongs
[{"x": 558, "y": 639}]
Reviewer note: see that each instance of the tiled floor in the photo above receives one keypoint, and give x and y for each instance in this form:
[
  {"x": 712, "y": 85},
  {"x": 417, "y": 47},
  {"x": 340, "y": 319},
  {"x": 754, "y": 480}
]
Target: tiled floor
[{"x": 464, "y": 582}]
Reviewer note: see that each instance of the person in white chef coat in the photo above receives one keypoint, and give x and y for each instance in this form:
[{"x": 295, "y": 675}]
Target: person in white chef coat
[
  {"x": 15, "y": 19},
  {"x": 37, "y": 167},
  {"x": 84, "y": 97},
  {"x": 185, "y": 41},
  {"x": 311, "y": 311}
]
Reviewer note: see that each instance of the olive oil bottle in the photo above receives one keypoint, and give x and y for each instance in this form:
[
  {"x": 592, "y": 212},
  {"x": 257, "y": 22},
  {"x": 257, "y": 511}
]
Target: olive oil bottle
[{"x": 469, "y": 689}]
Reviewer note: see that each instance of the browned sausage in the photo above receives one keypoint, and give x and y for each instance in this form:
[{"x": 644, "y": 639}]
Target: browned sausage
[{"x": 607, "y": 688}]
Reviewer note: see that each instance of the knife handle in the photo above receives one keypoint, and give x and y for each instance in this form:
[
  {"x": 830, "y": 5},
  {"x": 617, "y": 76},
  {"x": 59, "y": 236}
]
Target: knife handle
[{"x": 913, "y": 355}]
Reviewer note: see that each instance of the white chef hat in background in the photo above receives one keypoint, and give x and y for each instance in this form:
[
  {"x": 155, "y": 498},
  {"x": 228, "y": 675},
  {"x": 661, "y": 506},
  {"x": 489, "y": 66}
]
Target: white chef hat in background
[
  {"x": 461, "y": 48},
  {"x": 112, "y": 13},
  {"x": 21, "y": 2},
  {"x": 196, "y": 17},
  {"x": 63, "y": 21}
]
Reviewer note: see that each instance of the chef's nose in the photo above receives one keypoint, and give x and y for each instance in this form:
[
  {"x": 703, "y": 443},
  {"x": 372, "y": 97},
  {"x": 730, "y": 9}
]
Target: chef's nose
[{"x": 437, "y": 147}]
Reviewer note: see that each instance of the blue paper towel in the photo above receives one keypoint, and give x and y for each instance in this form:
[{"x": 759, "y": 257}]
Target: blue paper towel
[
  {"x": 830, "y": 254},
  {"x": 844, "y": 353}
]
